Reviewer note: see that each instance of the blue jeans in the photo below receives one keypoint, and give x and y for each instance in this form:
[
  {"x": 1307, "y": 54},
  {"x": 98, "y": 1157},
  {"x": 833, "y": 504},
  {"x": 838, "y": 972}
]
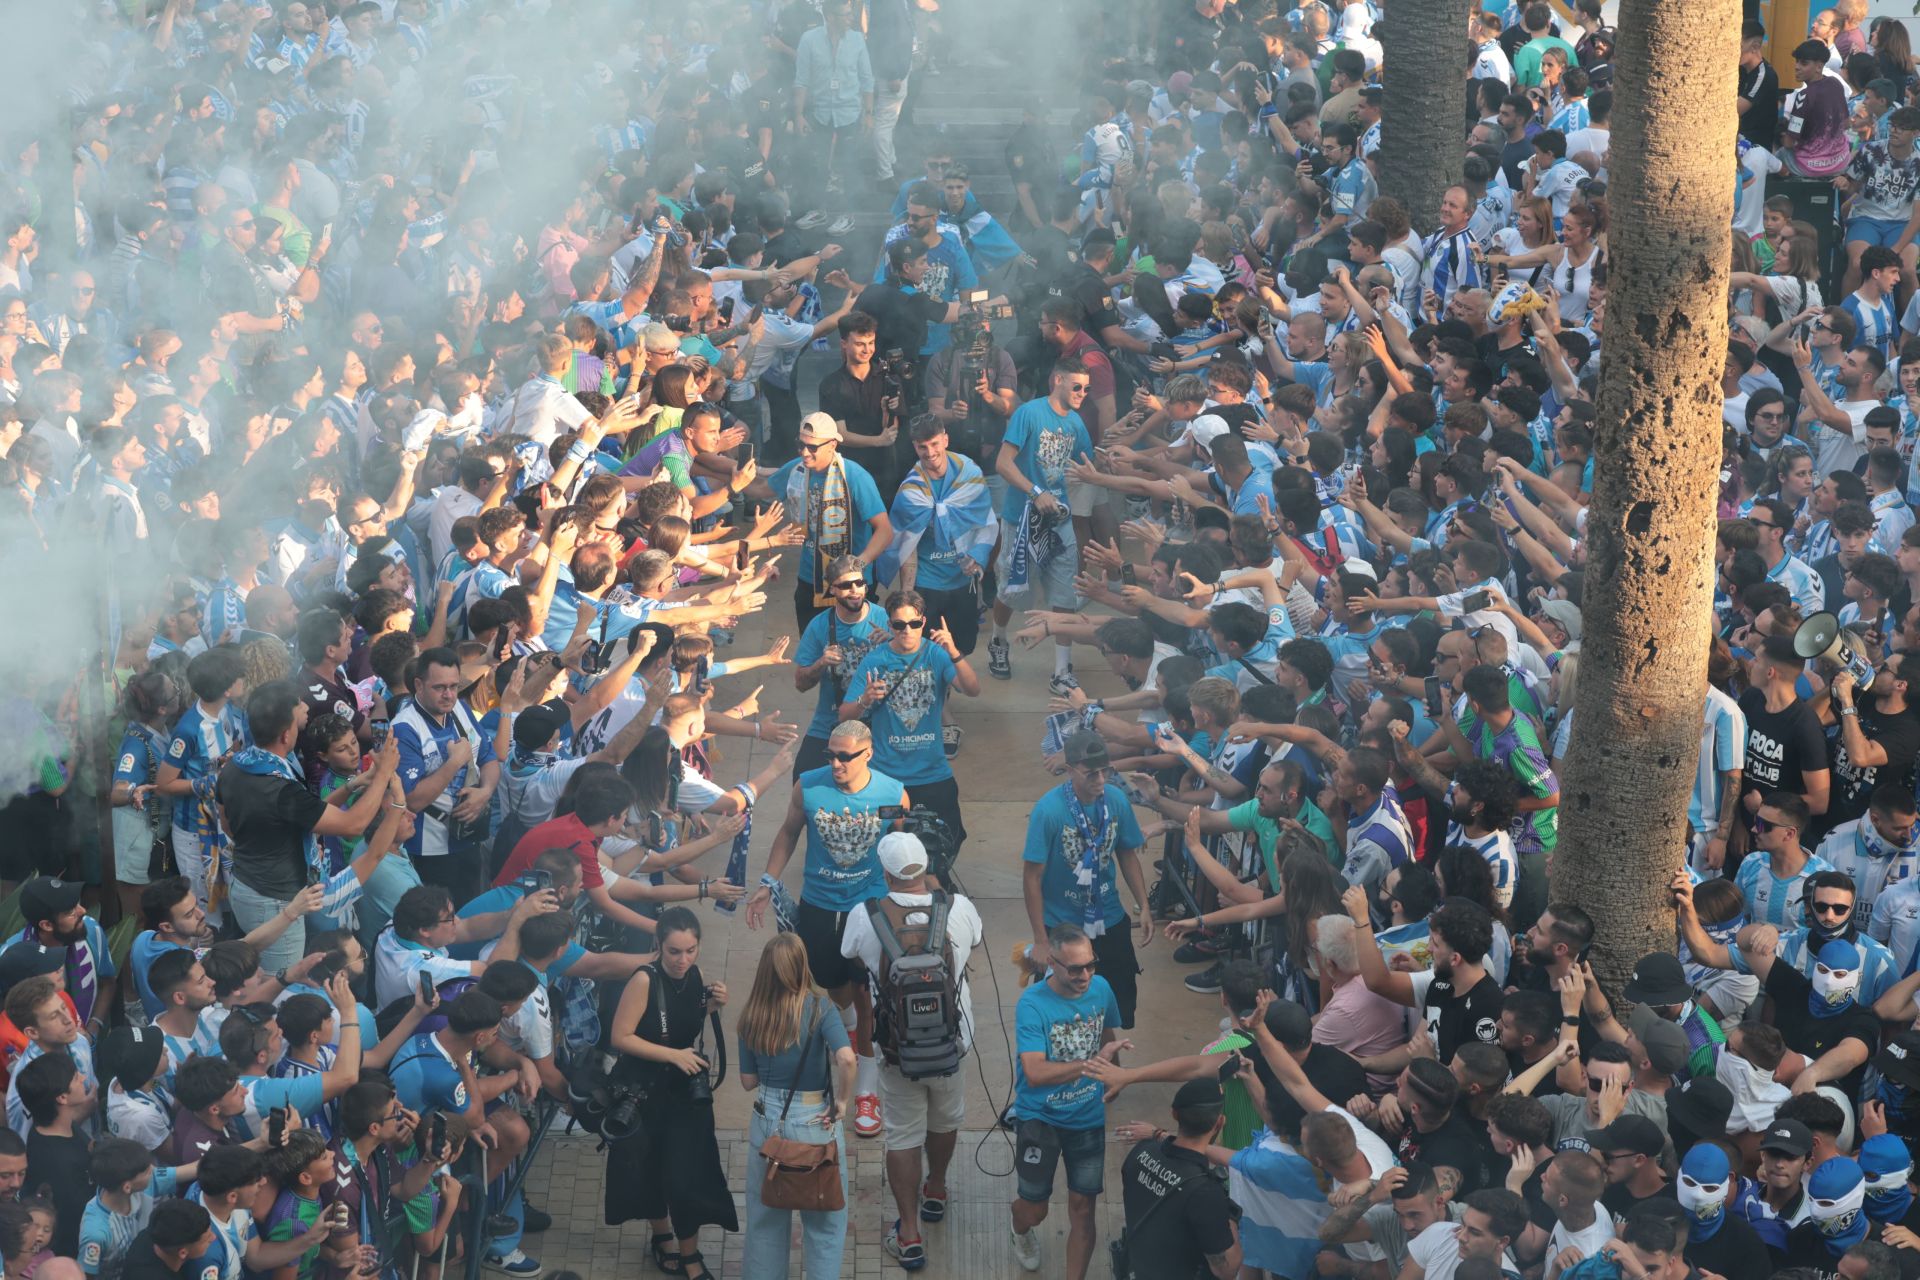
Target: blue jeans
[
  {"x": 251, "y": 910},
  {"x": 769, "y": 1231}
]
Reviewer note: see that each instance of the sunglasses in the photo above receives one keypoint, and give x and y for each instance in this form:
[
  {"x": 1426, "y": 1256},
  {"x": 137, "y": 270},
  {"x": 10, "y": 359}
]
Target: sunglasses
[
  {"x": 1760, "y": 826},
  {"x": 812, "y": 448},
  {"x": 1832, "y": 908},
  {"x": 847, "y": 757},
  {"x": 907, "y": 624},
  {"x": 1075, "y": 970},
  {"x": 851, "y": 584},
  {"x": 1595, "y": 1084}
]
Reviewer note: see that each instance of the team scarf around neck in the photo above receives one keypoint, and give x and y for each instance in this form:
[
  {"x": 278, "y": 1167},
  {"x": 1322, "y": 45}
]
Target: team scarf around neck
[
  {"x": 1092, "y": 827},
  {"x": 829, "y": 519}
]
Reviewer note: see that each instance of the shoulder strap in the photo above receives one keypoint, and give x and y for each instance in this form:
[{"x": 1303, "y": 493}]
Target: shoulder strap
[{"x": 1254, "y": 671}]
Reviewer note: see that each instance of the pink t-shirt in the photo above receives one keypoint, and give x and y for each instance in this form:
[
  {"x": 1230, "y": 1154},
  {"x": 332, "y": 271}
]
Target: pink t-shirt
[{"x": 1363, "y": 1024}]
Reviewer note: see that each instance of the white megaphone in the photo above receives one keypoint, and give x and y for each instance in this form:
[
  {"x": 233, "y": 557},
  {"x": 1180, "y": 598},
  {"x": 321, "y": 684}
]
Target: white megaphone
[{"x": 1821, "y": 637}]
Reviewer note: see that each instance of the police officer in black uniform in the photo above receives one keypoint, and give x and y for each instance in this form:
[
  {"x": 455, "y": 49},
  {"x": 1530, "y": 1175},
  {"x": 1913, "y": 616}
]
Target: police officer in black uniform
[{"x": 1180, "y": 1221}]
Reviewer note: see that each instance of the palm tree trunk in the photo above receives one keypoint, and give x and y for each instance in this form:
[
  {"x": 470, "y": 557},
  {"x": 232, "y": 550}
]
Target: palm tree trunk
[
  {"x": 1646, "y": 611},
  {"x": 1423, "y": 63}
]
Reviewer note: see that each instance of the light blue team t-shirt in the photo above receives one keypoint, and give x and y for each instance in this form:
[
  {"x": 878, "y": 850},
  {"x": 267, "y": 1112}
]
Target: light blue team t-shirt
[
  {"x": 1066, "y": 1031},
  {"x": 906, "y": 723},
  {"x": 863, "y": 495},
  {"x": 1047, "y": 442},
  {"x": 843, "y": 833},
  {"x": 854, "y": 640},
  {"x": 937, "y": 560},
  {"x": 1054, "y": 838}
]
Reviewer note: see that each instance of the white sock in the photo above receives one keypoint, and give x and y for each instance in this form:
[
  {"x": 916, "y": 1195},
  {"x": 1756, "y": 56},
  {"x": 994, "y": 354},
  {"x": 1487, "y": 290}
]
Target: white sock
[
  {"x": 1062, "y": 659},
  {"x": 999, "y": 630},
  {"x": 866, "y": 1076}
]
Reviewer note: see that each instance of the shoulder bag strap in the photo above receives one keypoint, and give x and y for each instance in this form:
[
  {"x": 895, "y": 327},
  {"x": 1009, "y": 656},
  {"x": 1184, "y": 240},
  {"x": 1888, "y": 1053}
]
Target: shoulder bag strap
[{"x": 800, "y": 1069}]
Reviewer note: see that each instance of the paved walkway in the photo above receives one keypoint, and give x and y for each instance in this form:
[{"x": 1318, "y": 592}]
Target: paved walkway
[{"x": 568, "y": 1182}]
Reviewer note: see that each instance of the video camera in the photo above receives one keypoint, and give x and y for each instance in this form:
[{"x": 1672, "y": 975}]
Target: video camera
[
  {"x": 899, "y": 369},
  {"x": 934, "y": 835},
  {"x": 974, "y": 327}
]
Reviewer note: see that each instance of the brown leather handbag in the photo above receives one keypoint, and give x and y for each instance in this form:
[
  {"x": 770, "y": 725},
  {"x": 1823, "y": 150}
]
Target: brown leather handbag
[{"x": 802, "y": 1175}]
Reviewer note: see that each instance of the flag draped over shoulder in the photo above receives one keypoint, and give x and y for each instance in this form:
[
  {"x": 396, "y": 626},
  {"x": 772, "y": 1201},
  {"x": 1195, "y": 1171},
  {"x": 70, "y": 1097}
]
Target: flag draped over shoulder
[{"x": 963, "y": 518}]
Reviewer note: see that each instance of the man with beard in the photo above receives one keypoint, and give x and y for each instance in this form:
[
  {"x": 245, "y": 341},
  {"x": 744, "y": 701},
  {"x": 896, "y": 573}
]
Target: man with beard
[
  {"x": 56, "y": 918},
  {"x": 1552, "y": 948},
  {"x": 839, "y": 807},
  {"x": 1278, "y": 807},
  {"x": 1829, "y": 912},
  {"x": 1878, "y": 736},
  {"x": 1457, "y": 997},
  {"x": 1878, "y": 849},
  {"x": 176, "y": 921},
  {"x": 831, "y": 650}
]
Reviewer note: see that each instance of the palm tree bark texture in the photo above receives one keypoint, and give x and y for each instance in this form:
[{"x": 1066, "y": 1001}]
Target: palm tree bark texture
[
  {"x": 1423, "y": 45},
  {"x": 1646, "y": 609}
]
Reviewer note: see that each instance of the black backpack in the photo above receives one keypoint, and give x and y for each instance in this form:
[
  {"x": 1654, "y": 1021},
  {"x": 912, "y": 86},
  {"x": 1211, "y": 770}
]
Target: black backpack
[{"x": 917, "y": 1009}]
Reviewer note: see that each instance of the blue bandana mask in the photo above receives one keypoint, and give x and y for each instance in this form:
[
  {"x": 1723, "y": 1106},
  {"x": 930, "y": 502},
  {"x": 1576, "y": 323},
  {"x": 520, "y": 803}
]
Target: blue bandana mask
[
  {"x": 1888, "y": 1168},
  {"x": 1836, "y": 1199},
  {"x": 1836, "y": 978},
  {"x": 1705, "y": 1181}
]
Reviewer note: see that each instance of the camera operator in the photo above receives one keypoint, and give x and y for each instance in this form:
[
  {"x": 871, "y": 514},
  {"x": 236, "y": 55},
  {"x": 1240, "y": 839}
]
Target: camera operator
[
  {"x": 971, "y": 387},
  {"x": 910, "y": 302},
  {"x": 858, "y": 397}
]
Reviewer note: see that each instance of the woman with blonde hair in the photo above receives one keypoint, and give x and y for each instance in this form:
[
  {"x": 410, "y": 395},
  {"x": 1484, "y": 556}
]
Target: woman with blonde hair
[
  {"x": 795, "y": 1051},
  {"x": 1532, "y": 227}
]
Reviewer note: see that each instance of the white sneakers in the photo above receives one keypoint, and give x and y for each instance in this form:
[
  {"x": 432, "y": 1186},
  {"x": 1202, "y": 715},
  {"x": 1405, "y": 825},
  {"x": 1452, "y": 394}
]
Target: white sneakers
[{"x": 1026, "y": 1248}]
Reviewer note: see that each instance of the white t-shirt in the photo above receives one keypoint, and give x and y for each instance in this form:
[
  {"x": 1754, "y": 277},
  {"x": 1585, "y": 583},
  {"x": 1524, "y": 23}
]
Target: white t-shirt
[
  {"x": 1587, "y": 1241},
  {"x": 1750, "y": 202},
  {"x": 1437, "y": 1250},
  {"x": 1598, "y": 141},
  {"x": 964, "y": 932},
  {"x": 541, "y": 409}
]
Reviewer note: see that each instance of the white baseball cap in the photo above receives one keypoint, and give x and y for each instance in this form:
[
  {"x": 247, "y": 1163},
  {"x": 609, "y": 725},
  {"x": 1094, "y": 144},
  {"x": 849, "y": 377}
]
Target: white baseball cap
[
  {"x": 902, "y": 854},
  {"x": 819, "y": 426}
]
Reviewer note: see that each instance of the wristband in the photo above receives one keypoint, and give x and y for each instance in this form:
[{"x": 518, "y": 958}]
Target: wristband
[{"x": 578, "y": 452}]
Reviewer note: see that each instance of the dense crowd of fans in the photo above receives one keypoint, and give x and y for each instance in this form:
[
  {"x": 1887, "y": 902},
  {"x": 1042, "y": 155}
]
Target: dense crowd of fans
[{"x": 401, "y": 413}]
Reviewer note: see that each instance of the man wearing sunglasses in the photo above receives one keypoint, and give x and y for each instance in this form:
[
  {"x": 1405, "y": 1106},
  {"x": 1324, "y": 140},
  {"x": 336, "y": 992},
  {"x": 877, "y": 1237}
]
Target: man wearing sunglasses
[
  {"x": 1786, "y": 757},
  {"x": 839, "y": 809},
  {"x": 901, "y": 690},
  {"x": 1821, "y": 1011},
  {"x": 1830, "y": 909}
]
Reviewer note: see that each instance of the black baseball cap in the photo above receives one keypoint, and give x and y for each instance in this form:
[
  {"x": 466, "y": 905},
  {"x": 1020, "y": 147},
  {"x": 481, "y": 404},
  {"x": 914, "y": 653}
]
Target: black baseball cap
[
  {"x": 1195, "y": 1094},
  {"x": 1789, "y": 1136},
  {"x": 45, "y": 897},
  {"x": 25, "y": 960},
  {"x": 535, "y": 727},
  {"x": 1635, "y": 1134},
  {"x": 1290, "y": 1024},
  {"x": 1088, "y": 749},
  {"x": 1899, "y": 1059},
  {"x": 905, "y": 250}
]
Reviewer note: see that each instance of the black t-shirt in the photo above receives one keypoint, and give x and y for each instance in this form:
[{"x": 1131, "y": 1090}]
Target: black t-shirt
[
  {"x": 1332, "y": 1071},
  {"x": 1781, "y": 745},
  {"x": 1806, "y": 1247},
  {"x": 856, "y": 402},
  {"x": 1899, "y": 733},
  {"x": 1456, "y": 1017},
  {"x": 1617, "y": 1200},
  {"x": 1761, "y": 88},
  {"x": 58, "y": 1165},
  {"x": 1813, "y": 1036},
  {"x": 1176, "y": 1240},
  {"x": 1458, "y": 1143},
  {"x": 269, "y": 818},
  {"x": 1081, "y": 285},
  {"x": 903, "y": 317},
  {"x": 144, "y": 1264},
  {"x": 1032, "y": 159},
  {"x": 1735, "y": 1250}
]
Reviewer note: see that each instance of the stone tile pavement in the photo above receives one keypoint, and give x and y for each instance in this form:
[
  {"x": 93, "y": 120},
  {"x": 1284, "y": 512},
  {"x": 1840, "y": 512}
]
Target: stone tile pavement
[{"x": 568, "y": 1180}]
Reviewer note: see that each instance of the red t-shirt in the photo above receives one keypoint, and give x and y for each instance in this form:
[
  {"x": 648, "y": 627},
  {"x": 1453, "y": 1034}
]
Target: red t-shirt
[
  {"x": 1099, "y": 375},
  {"x": 556, "y": 833}
]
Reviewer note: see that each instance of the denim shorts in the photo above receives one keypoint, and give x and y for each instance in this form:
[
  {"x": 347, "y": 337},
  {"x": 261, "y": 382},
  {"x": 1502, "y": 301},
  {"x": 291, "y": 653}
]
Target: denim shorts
[
  {"x": 1880, "y": 231},
  {"x": 1042, "y": 1146}
]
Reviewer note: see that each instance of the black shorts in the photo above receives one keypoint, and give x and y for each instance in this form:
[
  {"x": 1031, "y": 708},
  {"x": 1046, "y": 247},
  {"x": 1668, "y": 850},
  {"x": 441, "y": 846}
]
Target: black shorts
[{"x": 821, "y": 930}]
